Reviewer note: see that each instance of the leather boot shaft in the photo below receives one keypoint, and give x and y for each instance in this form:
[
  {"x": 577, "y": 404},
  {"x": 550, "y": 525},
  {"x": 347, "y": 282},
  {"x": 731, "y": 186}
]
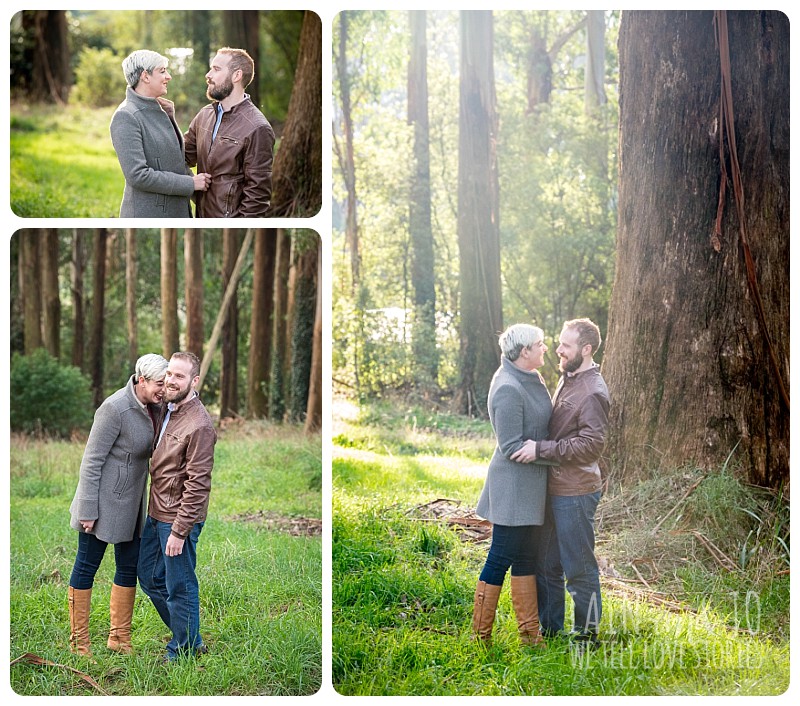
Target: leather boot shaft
[{"x": 525, "y": 600}]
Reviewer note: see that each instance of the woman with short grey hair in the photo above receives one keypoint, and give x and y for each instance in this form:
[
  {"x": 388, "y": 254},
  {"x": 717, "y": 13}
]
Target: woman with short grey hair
[
  {"x": 149, "y": 144},
  {"x": 514, "y": 494},
  {"x": 110, "y": 502}
]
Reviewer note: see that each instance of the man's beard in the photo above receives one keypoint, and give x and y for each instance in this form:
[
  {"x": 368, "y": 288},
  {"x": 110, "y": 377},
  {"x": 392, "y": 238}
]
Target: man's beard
[
  {"x": 220, "y": 91},
  {"x": 180, "y": 396},
  {"x": 570, "y": 365}
]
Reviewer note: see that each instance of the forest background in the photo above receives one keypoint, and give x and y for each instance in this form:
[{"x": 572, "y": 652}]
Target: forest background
[{"x": 501, "y": 166}]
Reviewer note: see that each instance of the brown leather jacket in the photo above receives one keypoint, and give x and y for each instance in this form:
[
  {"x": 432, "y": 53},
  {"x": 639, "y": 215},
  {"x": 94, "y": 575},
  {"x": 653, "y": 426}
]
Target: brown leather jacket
[
  {"x": 180, "y": 468},
  {"x": 577, "y": 433},
  {"x": 239, "y": 161}
]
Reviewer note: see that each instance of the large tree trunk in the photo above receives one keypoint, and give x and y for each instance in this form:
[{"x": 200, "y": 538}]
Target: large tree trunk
[
  {"x": 314, "y": 407},
  {"x": 47, "y": 54},
  {"x": 478, "y": 215},
  {"x": 193, "y": 287},
  {"x": 170, "y": 337},
  {"x": 51, "y": 299},
  {"x": 229, "y": 378},
  {"x": 97, "y": 335},
  {"x": 346, "y": 154},
  {"x": 261, "y": 325},
  {"x": 241, "y": 32},
  {"x": 688, "y": 363},
  {"x": 297, "y": 173},
  {"x": 423, "y": 334},
  {"x": 277, "y": 386},
  {"x": 131, "y": 278},
  {"x": 30, "y": 289}
]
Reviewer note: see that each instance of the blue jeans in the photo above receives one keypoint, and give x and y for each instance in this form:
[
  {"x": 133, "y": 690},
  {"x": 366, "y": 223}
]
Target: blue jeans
[
  {"x": 512, "y": 547},
  {"x": 90, "y": 553},
  {"x": 171, "y": 583},
  {"x": 566, "y": 543}
]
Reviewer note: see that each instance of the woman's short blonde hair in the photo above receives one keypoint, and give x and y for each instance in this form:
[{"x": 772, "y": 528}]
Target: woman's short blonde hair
[
  {"x": 141, "y": 60},
  {"x": 519, "y": 336}
]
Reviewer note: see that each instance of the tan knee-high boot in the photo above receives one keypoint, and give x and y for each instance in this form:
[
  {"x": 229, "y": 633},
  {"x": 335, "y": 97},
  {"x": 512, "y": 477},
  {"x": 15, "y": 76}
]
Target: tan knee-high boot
[
  {"x": 486, "y": 597},
  {"x": 526, "y": 608},
  {"x": 121, "y": 609},
  {"x": 80, "y": 600}
]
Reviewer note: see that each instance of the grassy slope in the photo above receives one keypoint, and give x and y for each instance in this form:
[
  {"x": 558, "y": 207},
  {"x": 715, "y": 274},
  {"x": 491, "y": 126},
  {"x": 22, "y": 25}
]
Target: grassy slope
[
  {"x": 260, "y": 590},
  {"x": 402, "y": 588},
  {"x": 63, "y": 164}
]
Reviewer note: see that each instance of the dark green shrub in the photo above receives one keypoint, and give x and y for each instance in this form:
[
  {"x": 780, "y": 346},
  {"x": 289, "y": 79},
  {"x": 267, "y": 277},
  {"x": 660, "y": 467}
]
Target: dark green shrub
[{"x": 47, "y": 397}]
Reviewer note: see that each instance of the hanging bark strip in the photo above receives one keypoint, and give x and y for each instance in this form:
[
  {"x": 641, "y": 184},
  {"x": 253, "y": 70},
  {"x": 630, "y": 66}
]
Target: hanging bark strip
[{"x": 726, "y": 126}]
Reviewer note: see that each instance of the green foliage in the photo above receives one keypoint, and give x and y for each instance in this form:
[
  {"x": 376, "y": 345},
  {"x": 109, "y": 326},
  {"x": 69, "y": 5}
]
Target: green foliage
[
  {"x": 557, "y": 170},
  {"x": 403, "y": 582},
  {"x": 47, "y": 397},
  {"x": 98, "y": 78},
  {"x": 260, "y": 587}
]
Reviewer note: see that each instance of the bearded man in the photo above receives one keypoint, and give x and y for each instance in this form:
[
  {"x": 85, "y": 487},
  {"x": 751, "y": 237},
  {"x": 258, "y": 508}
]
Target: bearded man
[
  {"x": 576, "y": 438},
  {"x": 231, "y": 140},
  {"x": 180, "y": 485}
]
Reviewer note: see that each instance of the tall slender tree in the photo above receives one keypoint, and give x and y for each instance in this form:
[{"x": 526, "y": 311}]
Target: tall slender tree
[
  {"x": 305, "y": 304},
  {"x": 170, "y": 338},
  {"x": 313, "y": 420},
  {"x": 97, "y": 334},
  {"x": 51, "y": 298},
  {"x": 229, "y": 377},
  {"x": 193, "y": 287},
  {"x": 131, "y": 280},
  {"x": 480, "y": 307},
  {"x": 77, "y": 269},
  {"x": 426, "y": 362},
  {"x": 279, "y": 357},
  {"x": 261, "y": 322},
  {"x": 241, "y": 28},
  {"x": 346, "y": 152},
  {"x": 30, "y": 288}
]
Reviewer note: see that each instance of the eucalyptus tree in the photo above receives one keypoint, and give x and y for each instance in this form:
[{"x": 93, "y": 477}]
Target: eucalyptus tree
[{"x": 697, "y": 358}]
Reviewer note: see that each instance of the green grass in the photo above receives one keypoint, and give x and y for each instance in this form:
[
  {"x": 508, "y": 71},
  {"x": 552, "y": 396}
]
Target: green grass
[
  {"x": 63, "y": 164},
  {"x": 260, "y": 589},
  {"x": 403, "y": 586}
]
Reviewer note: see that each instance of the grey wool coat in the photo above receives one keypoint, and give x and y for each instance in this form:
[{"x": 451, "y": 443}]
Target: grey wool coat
[
  {"x": 113, "y": 477},
  {"x": 150, "y": 150},
  {"x": 514, "y": 494}
]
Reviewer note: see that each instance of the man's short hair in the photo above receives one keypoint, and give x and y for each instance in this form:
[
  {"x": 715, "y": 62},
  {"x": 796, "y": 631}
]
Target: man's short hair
[
  {"x": 588, "y": 333},
  {"x": 151, "y": 366},
  {"x": 240, "y": 59},
  {"x": 519, "y": 336},
  {"x": 193, "y": 360},
  {"x": 141, "y": 60}
]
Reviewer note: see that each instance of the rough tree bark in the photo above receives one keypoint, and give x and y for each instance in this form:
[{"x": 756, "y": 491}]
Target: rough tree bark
[
  {"x": 131, "y": 276},
  {"x": 688, "y": 362},
  {"x": 297, "y": 178}
]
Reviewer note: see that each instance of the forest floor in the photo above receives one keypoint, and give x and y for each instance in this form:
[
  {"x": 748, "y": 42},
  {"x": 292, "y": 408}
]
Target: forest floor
[
  {"x": 694, "y": 571},
  {"x": 259, "y": 568}
]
